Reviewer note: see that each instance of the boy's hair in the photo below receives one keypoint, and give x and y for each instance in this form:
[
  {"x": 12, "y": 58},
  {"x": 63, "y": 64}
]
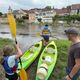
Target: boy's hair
[
  {"x": 2, "y": 73},
  {"x": 8, "y": 49}
]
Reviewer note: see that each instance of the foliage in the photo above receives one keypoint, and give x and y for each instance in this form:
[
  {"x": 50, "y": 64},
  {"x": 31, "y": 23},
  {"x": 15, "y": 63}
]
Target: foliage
[
  {"x": 39, "y": 19},
  {"x": 6, "y": 41},
  {"x": 67, "y": 18},
  {"x": 76, "y": 17},
  {"x": 60, "y": 68},
  {"x": 1, "y": 13},
  {"x": 55, "y": 18},
  {"x": 25, "y": 17},
  {"x": 59, "y": 72},
  {"x": 20, "y": 20},
  {"x": 48, "y": 7}
]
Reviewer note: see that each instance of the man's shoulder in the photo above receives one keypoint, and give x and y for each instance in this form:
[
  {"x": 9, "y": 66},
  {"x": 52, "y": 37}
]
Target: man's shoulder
[{"x": 77, "y": 45}]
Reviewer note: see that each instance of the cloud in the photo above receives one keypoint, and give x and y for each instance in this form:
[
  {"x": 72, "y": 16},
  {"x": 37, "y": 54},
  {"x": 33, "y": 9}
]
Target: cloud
[
  {"x": 35, "y": 1},
  {"x": 27, "y": 4},
  {"x": 56, "y": 3}
]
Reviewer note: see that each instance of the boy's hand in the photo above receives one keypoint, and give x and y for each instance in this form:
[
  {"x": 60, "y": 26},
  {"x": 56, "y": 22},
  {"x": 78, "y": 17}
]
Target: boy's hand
[
  {"x": 67, "y": 78},
  {"x": 17, "y": 45}
]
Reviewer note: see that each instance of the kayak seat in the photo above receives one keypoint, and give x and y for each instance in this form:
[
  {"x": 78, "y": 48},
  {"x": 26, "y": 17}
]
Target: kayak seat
[
  {"x": 50, "y": 50},
  {"x": 47, "y": 59},
  {"x": 23, "y": 59},
  {"x": 33, "y": 49}
]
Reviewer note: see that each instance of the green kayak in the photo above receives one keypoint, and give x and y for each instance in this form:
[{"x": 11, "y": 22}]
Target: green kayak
[
  {"x": 47, "y": 62},
  {"x": 30, "y": 55}
]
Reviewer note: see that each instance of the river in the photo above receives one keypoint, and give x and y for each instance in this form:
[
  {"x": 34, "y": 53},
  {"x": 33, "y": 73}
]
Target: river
[{"x": 28, "y": 34}]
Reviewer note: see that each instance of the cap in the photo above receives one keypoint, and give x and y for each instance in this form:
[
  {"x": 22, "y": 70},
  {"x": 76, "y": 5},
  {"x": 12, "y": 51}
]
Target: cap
[
  {"x": 72, "y": 31},
  {"x": 46, "y": 26}
]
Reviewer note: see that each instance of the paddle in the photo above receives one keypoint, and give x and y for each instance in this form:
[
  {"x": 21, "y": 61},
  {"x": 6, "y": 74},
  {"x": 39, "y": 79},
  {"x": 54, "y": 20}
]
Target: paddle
[
  {"x": 53, "y": 36},
  {"x": 12, "y": 23}
]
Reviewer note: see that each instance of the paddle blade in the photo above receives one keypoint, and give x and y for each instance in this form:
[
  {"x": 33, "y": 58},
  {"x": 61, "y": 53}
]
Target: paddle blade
[
  {"x": 12, "y": 24},
  {"x": 23, "y": 75},
  {"x": 38, "y": 34}
]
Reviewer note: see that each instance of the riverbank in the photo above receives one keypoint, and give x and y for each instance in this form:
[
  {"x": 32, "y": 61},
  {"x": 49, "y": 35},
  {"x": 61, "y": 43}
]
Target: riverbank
[
  {"x": 59, "y": 71},
  {"x": 57, "y": 23},
  {"x": 6, "y": 41}
]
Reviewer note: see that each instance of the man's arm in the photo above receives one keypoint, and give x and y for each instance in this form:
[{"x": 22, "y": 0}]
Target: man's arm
[
  {"x": 49, "y": 32},
  {"x": 76, "y": 68}
]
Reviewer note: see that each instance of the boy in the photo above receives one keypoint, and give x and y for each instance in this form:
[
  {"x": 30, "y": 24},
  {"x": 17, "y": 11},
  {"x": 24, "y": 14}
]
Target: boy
[{"x": 10, "y": 63}]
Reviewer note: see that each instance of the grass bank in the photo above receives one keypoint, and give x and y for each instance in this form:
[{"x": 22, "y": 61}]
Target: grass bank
[
  {"x": 59, "y": 71},
  {"x": 4, "y": 42}
]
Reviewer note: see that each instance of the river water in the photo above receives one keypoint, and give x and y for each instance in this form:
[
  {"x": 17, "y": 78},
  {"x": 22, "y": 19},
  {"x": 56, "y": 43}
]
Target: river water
[{"x": 28, "y": 34}]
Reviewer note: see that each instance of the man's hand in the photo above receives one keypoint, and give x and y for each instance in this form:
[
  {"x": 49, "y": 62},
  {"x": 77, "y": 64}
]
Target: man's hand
[{"x": 67, "y": 78}]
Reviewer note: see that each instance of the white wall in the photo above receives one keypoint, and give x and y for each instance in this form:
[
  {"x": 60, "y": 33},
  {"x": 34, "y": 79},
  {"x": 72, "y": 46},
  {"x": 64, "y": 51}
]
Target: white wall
[{"x": 46, "y": 15}]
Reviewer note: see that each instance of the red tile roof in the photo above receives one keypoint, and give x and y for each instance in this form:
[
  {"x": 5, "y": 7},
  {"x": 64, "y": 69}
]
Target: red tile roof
[
  {"x": 28, "y": 11},
  {"x": 75, "y": 6},
  {"x": 62, "y": 11}
]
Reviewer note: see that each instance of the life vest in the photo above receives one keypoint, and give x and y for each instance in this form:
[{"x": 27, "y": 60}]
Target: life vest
[
  {"x": 46, "y": 32},
  {"x": 10, "y": 70}
]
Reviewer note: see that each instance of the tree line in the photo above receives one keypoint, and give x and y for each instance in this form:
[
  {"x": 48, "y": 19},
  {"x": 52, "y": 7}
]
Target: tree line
[{"x": 67, "y": 18}]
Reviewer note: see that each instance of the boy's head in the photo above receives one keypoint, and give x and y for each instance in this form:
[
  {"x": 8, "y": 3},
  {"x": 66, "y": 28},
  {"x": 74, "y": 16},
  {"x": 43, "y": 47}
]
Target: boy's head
[{"x": 7, "y": 50}]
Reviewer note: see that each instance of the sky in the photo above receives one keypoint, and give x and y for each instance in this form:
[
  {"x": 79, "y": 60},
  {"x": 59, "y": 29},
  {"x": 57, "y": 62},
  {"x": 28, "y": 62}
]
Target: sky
[{"x": 28, "y": 4}]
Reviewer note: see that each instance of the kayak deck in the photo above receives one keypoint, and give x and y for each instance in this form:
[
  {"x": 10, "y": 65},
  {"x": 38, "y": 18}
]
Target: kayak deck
[
  {"x": 49, "y": 57},
  {"x": 30, "y": 55}
]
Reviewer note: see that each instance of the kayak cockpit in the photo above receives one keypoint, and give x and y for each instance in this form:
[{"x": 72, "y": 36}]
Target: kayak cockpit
[
  {"x": 49, "y": 54},
  {"x": 31, "y": 51}
]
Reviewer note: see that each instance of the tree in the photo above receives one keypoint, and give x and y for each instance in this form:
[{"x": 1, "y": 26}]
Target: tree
[
  {"x": 55, "y": 18},
  {"x": 78, "y": 18},
  {"x": 48, "y": 7},
  {"x": 1, "y": 13},
  {"x": 39, "y": 19},
  {"x": 67, "y": 18},
  {"x": 25, "y": 17},
  {"x": 21, "y": 20}
]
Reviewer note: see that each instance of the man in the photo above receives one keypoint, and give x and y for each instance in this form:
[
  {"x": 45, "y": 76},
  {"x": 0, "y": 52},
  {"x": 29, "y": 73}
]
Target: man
[
  {"x": 73, "y": 67},
  {"x": 46, "y": 34}
]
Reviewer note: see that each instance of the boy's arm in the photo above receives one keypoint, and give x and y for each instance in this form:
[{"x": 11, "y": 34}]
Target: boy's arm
[{"x": 19, "y": 52}]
